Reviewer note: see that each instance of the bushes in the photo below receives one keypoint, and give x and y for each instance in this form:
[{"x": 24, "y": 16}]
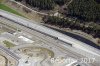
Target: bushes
[
  {"x": 90, "y": 28},
  {"x": 44, "y": 4}
]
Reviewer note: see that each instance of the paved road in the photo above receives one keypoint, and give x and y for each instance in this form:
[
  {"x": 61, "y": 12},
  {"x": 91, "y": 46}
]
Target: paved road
[{"x": 50, "y": 32}]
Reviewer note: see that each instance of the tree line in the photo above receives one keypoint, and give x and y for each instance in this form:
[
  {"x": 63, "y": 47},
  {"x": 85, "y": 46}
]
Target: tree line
[
  {"x": 90, "y": 28},
  {"x": 44, "y": 4}
]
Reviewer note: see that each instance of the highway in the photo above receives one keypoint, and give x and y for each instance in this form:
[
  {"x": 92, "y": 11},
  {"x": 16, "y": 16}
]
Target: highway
[
  {"x": 50, "y": 42},
  {"x": 50, "y": 32}
]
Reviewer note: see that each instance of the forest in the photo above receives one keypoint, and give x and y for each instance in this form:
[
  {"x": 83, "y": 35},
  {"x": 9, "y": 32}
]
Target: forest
[
  {"x": 44, "y": 4},
  {"x": 87, "y": 10}
]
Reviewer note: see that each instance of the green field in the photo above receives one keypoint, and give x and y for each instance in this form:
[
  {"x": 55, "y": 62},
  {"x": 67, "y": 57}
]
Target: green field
[
  {"x": 8, "y": 44},
  {"x": 6, "y": 8}
]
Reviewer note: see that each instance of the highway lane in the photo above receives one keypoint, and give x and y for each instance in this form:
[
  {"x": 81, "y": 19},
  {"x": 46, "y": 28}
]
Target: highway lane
[
  {"x": 38, "y": 36},
  {"x": 49, "y": 41},
  {"x": 48, "y": 31}
]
